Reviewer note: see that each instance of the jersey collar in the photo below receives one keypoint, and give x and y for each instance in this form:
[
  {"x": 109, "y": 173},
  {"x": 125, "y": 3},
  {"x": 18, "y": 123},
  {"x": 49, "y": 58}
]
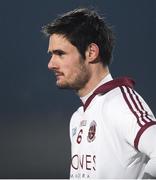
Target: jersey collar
[{"x": 106, "y": 87}]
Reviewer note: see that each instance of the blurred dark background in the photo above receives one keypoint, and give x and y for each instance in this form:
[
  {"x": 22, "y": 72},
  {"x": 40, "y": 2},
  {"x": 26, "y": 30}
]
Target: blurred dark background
[{"x": 34, "y": 114}]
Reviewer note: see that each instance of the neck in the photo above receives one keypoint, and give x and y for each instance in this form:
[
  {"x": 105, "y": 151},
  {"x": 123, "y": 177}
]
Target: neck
[{"x": 96, "y": 76}]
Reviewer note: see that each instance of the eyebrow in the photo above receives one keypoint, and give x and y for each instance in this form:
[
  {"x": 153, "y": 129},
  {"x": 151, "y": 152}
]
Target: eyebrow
[{"x": 56, "y": 51}]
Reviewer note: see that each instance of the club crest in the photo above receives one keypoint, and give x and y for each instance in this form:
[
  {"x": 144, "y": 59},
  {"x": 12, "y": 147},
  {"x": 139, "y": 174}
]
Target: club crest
[{"x": 92, "y": 132}]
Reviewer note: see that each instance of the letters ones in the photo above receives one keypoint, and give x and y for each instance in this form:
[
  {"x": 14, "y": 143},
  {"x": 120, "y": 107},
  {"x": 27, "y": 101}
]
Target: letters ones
[{"x": 85, "y": 162}]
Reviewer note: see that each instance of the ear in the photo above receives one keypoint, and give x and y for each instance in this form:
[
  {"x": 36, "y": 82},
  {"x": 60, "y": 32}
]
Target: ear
[{"x": 92, "y": 52}]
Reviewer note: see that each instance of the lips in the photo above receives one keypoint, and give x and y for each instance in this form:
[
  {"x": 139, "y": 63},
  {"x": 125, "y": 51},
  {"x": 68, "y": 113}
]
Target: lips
[{"x": 58, "y": 74}]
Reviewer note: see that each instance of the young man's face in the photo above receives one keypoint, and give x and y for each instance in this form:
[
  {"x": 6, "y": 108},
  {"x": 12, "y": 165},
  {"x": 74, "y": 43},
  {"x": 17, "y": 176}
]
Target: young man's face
[{"x": 69, "y": 67}]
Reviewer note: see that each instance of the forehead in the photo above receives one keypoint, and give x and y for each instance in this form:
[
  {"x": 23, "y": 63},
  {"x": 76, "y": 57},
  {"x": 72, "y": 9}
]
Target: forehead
[{"x": 59, "y": 42}]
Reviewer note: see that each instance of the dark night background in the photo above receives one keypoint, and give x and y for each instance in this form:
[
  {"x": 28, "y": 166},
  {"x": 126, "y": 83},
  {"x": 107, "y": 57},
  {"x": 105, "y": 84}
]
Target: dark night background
[{"x": 34, "y": 114}]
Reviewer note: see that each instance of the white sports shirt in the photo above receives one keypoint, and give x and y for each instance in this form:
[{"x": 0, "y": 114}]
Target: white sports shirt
[{"x": 114, "y": 134}]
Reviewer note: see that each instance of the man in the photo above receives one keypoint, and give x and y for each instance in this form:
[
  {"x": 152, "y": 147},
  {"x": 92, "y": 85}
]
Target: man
[{"x": 113, "y": 133}]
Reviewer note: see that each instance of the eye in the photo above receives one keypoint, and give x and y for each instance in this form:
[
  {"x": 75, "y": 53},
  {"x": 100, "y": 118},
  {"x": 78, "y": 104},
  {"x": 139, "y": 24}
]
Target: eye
[
  {"x": 57, "y": 52},
  {"x": 60, "y": 53}
]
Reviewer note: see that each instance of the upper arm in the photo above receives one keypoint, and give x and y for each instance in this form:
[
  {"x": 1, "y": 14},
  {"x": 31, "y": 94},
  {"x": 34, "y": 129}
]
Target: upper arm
[
  {"x": 147, "y": 142},
  {"x": 147, "y": 145},
  {"x": 140, "y": 116}
]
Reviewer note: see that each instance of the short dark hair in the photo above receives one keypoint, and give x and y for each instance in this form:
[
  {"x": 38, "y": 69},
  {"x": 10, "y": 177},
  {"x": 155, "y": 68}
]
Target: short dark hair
[{"x": 82, "y": 27}]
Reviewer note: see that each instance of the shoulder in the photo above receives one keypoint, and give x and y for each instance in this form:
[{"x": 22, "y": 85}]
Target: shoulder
[
  {"x": 115, "y": 111},
  {"x": 127, "y": 111},
  {"x": 114, "y": 102},
  {"x": 74, "y": 121},
  {"x": 76, "y": 116},
  {"x": 78, "y": 112},
  {"x": 126, "y": 101}
]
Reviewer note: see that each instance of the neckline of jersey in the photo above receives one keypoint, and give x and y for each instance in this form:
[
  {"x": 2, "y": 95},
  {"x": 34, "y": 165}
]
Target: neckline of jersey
[{"x": 108, "y": 86}]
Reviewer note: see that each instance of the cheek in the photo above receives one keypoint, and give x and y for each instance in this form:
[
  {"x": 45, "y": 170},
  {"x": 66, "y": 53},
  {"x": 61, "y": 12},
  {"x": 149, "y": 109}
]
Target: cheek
[
  {"x": 71, "y": 72},
  {"x": 78, "y": 72},
  {"x": 74, "y": 69},
  {"x": 71, "y": 69}
]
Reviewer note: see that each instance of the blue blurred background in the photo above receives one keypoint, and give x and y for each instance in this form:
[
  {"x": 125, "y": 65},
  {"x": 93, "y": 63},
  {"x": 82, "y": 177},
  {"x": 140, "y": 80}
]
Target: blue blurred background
[{"x": 34, "y": 114}]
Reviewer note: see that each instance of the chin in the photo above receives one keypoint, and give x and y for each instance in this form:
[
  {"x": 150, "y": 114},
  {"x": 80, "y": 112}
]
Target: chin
[{"x": 62, "y": 85}]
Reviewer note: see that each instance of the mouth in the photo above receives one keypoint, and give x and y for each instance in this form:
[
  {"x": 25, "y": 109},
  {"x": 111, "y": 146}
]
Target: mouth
[{"x": 58, "y": 74}]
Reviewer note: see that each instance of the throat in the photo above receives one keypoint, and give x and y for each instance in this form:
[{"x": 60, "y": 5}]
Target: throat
[
  {"x": 103, "y": 81},
  {"x": 97, "y": 74}
]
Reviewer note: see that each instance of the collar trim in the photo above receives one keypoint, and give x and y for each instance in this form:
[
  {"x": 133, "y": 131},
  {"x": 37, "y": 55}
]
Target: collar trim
[{"x": 103, "y": 89}]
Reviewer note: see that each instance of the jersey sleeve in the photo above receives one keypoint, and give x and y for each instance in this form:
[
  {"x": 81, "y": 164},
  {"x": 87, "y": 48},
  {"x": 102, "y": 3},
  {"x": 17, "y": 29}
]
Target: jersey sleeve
[
  {"x": 140, "y": 130},
  {"x": 147, "y": 145},
  {"x": 138, "y": 115}
]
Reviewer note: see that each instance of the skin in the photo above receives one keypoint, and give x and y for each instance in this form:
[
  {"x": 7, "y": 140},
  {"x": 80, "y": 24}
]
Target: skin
[{"x": 71, "y": 70}]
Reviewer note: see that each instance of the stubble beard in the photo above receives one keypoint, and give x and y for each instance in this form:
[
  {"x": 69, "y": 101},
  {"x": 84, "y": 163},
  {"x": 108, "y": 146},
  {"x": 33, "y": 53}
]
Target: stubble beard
[{"x": 78, "y": 80}]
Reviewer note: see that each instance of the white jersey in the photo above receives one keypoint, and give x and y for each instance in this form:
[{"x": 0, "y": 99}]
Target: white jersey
[{"x": 110, "y": 134}]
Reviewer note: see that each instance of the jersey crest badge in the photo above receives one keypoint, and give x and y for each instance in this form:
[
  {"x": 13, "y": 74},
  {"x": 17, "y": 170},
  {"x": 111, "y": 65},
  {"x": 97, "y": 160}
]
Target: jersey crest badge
[{"x": 92, "y": 132}]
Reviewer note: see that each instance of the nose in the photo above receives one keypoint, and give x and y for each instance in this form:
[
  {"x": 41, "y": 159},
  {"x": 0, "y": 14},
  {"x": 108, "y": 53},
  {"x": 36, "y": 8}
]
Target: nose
[{"x": 52, "y": 63}]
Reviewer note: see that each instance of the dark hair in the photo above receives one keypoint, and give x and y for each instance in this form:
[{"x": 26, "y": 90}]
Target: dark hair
[{"x": 82, "y": 27}]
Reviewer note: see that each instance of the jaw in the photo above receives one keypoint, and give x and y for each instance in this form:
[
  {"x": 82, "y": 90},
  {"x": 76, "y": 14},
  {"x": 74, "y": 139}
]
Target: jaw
[{"x": 76, "y": 81}]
